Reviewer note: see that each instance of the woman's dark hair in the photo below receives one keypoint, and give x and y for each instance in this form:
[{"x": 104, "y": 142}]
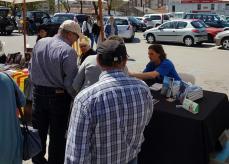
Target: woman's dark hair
[{"x": 158, "y": 49}]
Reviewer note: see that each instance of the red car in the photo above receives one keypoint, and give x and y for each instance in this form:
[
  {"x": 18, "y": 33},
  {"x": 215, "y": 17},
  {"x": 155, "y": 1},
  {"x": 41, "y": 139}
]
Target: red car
[{"x": 212, "y": 31}]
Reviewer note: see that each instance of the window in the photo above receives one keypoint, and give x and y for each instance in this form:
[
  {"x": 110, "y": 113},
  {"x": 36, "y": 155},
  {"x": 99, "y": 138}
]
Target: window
[
  {"x": 155, "y": 17},
  {"x": 198, "y": 6},
  {"x": 181, "y": 25},
  {"x": 212, "y": 6},
  {"x": 189, "y": 16},
  {"x": 173, "y": 8},
  {"x": 165, "y": 17},
  {"x": 169, "y": 25},
  {"x": 197, "y": 24},
  {"x": 121, "y": 22},
  {"x": 227, "y": 6},
  {"x": 197, "y": 16}
]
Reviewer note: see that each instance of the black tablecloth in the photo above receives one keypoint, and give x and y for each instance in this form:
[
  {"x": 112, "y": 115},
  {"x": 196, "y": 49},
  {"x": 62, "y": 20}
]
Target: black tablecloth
[{"x": 176, "y": 136}]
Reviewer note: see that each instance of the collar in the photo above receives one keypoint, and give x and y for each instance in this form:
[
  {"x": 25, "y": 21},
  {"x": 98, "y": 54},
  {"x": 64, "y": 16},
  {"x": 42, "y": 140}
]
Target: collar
[
  {"x": 63, "y": 39},
  {"x": 111, "y": 73}
]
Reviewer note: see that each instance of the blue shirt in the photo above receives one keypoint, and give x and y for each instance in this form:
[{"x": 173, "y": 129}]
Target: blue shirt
[
  {"x": 165, "y": 68},
  {"x": 10, "y": 132},
  {"x": 108, "y": 120},
  {"x": 53, "y": 64}
]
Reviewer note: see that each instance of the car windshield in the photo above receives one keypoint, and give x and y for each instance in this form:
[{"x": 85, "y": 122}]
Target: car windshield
[
  {"x": 134, "y": 20},
  {"x": 197, "y": 24},
  {"x": 3, "y": 12},
  {"x": 155, "y": 17},
  {"x": 204, "y": 25},
  {"x": 121, "y": 21},
  {"x": 61, "y": 18}
]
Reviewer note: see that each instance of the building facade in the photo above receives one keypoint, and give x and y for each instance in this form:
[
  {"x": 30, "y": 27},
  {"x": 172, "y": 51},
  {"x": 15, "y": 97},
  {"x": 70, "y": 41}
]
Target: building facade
[{"x": 195, "y": 6}]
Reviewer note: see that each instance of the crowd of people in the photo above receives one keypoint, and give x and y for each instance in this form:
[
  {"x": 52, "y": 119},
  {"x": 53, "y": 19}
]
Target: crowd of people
[{"x": 92, "y": 107}]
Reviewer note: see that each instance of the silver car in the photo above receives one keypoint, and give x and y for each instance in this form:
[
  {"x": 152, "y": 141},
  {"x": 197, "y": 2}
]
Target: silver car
[
  {"x": 222, "y": 39},
  {"x": 125, "y": 29},
  {"x": 189, "y": 32}
]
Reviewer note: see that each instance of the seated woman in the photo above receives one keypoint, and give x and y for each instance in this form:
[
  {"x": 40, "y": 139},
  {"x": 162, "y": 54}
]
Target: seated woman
[
  {"x": 85, "y": 49},
  {"x": 158, "y": 67}
]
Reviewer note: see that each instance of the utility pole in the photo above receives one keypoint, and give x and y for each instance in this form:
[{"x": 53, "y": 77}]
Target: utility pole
[{"x": 58, "y": 5}]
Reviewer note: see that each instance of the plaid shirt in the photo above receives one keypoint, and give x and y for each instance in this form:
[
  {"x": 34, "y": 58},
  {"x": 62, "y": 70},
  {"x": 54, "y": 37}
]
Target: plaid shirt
[{"x": 108, "y": 120}]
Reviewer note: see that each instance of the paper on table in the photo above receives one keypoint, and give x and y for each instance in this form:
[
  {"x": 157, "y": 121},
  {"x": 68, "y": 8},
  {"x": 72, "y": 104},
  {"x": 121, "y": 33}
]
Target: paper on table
[{"x": 156, "y": 86}]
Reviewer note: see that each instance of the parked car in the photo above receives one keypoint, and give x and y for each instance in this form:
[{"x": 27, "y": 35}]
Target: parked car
[
  {"x": 157, "y": 19},
  {"x": 125, "y": 29},
  {"x": 35, "y": 16},
  {"x": 7, "y": 24},
  {"x": 178, "y": 15},
  {"x": 53, "y": 24},
  {"x": 222, "y": 39},
  {"x": 137, "y": 24},
  {"x": 227, "y": 19},
  {"x": 212, "y": 31},
  {"x": 189, "y": 32},
  {"x": 61, "y": 17},
  {"x": 212, "y": 20},
  {"x": 148, "y": 22}
]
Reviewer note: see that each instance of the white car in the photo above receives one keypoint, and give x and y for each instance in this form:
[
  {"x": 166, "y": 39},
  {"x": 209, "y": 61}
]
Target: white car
[
  {"x": 125, "y": 29},
  {"x": 189, "y": 32},
  {"x": 156, "y": 19},
  {"x": 222, "y": 38}
]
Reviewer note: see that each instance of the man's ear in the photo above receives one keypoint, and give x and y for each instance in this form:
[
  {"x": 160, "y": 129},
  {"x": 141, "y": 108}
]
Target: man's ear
[{"x": 97, "y": 60}]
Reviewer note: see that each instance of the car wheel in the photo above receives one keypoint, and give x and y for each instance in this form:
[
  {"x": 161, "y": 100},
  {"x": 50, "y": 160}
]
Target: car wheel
[
  {"x": 225, "y": 43},
  {"x": 188, "y": 41},
  {"x": 150, "y": 38}
]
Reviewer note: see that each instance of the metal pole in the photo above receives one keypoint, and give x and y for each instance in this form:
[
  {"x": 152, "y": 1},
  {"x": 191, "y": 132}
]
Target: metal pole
[
  {"x": 58, "y": 5},
  {"x": 100, "y": 5},
  {"x": 24, "y": 23}
]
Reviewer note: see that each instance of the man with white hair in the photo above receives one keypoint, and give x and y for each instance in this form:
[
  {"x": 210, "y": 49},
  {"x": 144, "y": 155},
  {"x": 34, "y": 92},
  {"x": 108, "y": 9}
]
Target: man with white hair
[{"x": 53, "y": 67}]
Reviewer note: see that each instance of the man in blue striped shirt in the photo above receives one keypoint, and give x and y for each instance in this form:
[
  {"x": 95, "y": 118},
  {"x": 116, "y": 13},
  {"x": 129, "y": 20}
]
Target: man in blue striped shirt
[{"x": 109, "y": 117}]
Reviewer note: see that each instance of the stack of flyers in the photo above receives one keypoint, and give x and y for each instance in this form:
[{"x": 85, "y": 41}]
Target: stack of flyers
[
  {"x": 156, "y": 86},
  {"x": 194, "y": 93}
]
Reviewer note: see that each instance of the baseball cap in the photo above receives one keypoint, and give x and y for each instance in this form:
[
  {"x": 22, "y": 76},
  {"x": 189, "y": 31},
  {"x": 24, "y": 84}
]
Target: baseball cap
[
  {"x": 72, "y": 26},
  {"x": 112, "y": 51}
]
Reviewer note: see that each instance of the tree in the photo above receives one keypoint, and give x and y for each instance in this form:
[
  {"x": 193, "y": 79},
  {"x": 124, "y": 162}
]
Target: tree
[
  {"x": 65, "y": 4},
  {"x": 95, "y": 7},
  {"x": 81, "y": 7},
  {"x": 111, "y": 5}
]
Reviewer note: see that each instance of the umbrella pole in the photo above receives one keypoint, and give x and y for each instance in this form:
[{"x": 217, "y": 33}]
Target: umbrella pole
[
  {"x": 24, "y": 23},
  {"x": 101, "y": 19}
]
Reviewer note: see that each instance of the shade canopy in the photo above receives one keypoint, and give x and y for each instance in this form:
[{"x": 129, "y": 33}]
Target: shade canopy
[{"x": 21, "y": 1}]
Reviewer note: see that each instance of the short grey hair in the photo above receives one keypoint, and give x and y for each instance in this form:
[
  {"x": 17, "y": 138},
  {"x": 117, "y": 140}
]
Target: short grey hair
[{"x": 63, "y": 32}]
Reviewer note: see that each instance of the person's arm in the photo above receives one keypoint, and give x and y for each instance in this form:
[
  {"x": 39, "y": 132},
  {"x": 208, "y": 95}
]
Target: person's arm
[
  {"x": 69, "y": 70},
  {"x": 84, "y": 26},
  {"x": 79, "y": 135},
  {"x": 145, "y": 75},
  {"x": 79, "y": 79}
]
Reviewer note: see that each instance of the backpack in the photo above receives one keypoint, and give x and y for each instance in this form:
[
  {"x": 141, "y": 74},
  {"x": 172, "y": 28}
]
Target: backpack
[
  {"x": 87, "y": 33},
  {"x": 95, "y": 29}
]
